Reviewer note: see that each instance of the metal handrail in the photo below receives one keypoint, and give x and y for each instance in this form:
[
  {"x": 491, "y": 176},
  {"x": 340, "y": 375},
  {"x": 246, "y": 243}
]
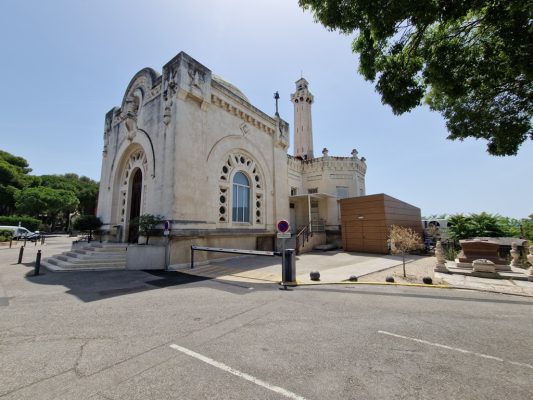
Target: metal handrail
[{"x": 301, "y": 237}]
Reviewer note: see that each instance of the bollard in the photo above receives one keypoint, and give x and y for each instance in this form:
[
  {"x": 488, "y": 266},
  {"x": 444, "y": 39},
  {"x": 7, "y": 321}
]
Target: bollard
[
  {"x": 10, "y": 243},
  {"x": 288, "y": 272},
  {"x": 37, "y": 263},
  {"x": 21, "y": 252},
  {"x": 42, "y": 239},
  {"x": 35, "y": 242}
]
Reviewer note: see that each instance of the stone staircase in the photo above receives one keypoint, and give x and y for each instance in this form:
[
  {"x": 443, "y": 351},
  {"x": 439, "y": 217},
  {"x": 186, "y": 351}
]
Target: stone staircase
[{"x": 89, "y": 257}]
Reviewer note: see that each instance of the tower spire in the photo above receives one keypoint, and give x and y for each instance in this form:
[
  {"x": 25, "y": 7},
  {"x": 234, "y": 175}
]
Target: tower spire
[{"x": 303, "y": 127}]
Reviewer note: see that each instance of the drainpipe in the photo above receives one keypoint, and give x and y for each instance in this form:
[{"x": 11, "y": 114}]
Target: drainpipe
[{"x": 309, "y": 212}]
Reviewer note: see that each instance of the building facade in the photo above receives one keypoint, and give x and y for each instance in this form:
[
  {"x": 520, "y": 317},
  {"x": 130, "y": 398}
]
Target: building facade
[{"x": 189, "y": 146}]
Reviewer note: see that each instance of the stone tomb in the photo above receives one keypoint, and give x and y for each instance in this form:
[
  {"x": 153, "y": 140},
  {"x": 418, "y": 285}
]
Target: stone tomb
[{"x": 475, "y": 249}]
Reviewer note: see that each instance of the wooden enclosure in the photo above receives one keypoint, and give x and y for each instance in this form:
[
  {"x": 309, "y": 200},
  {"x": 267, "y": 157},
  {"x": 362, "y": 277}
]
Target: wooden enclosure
[{"x": 366, "y": 221}]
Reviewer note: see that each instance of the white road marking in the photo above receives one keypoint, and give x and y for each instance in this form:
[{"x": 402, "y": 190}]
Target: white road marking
[
  {"x": 443, "y": 346},
  {"x": 235, "y": 372}
]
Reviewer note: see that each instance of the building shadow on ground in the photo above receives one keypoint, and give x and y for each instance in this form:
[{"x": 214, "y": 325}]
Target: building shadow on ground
[{"x": 89, "y": 286}]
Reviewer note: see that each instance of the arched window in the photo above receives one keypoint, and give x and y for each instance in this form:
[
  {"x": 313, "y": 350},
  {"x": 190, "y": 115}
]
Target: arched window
[{"x": 241, "y": 198}]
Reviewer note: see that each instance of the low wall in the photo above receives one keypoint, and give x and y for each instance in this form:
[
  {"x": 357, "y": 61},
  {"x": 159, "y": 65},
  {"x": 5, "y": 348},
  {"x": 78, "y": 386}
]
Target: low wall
[
  {"x": 180, "y": 247},
  {"x": 145, "y": 257}
]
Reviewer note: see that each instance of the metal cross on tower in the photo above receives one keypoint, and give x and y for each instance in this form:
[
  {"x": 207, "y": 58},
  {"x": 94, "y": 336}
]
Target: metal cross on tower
[{"x": 276, "y": 96}]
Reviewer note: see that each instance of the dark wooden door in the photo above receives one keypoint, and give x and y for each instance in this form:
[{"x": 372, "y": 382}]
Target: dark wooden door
[{"x": 135, "y": 205}]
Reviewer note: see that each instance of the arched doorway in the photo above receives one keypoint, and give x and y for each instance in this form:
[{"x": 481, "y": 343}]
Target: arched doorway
[{"x": 135, "y": 205}]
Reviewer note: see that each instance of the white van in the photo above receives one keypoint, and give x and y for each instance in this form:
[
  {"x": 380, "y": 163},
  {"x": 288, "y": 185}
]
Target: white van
[{"x": 19, "y": 232}]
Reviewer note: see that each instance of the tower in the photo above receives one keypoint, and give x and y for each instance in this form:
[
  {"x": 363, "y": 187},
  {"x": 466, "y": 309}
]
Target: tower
[{"x": 303, "y": 127}]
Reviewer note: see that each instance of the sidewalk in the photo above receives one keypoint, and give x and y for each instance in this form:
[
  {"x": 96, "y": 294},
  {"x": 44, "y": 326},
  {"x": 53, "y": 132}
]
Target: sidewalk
[{"x": 336, "y": 267}]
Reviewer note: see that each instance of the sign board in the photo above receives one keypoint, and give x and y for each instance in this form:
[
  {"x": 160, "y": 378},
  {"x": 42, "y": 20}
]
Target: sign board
[
  {"x": 284, "y": 235},
  {"x": 166, "y": 225},
  {"x": 283, "y": 226}
]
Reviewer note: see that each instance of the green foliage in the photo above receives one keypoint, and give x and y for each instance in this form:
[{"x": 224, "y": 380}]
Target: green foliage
[
  {"x": 482, "y": 225},
  {"x": 85, "y": 189},
  {"x": 146, "y": 224},
  {"x": 526, "y": 228},
  {"x": 6, "y": 235},
  {"x": 87, "y": 223},
  {"x": 469, "y": 60},
  {"x": 14, "y": 178},
  {"x": 29, "y": 223},
  {"x": 44, "y": 200}
]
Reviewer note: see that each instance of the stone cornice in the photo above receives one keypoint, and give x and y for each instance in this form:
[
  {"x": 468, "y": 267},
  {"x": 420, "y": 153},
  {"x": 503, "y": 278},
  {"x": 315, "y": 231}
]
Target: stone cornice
[
  {"x": 264, "y": 122},
  {"x": 328, "y": 163}
]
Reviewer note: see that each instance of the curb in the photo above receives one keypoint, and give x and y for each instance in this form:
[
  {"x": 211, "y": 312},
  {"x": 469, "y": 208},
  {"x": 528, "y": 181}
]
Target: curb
[
  {"x": 407, "y": 285},
  {"x": 369, "y": 283}
]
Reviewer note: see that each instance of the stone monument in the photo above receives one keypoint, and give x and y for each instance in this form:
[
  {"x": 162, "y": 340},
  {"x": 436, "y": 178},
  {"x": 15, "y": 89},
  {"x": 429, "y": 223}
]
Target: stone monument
[
  {"x": 515, "y": 255},
  {"x": 484, "y": 268},
  {"x": 475, "y": 249},
  {"x": 441, "y": 260},
  {"x": 530, "y": 260}
]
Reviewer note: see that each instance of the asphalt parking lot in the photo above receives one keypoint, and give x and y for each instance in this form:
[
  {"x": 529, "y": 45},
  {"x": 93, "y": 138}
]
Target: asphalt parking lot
[{"x": 141, "y": 335}]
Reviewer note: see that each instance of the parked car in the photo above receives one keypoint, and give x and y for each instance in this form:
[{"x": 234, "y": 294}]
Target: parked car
[{"x": 21, "y": 233}]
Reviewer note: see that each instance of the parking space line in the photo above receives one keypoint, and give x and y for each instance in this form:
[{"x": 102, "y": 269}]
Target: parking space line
[
  {"x": 443, "y": 346},
  {"x": 235, "y": 372}
]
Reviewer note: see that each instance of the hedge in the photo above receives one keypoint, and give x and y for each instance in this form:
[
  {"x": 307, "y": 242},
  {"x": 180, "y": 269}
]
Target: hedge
[
  {"x": 29, "y": 223},
  {"x": 5, "y": 235}
]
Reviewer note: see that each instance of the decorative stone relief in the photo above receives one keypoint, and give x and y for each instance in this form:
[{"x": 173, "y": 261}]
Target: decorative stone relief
[
  {"x": 241, "y": 162},
  {"x": 137, "y": 159},
  {"x": 258, "y": 208},
  {"x": 223, "y": 204}
]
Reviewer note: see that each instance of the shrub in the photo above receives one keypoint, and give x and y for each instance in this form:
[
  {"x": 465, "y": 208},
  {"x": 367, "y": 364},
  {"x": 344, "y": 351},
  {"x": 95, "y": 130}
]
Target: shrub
[
  {"x": 87, "y": 223},
  {"x": 146, "y": 224},
  {"x": 5, "y": 235},
  {"x": 29, "y": 223}
]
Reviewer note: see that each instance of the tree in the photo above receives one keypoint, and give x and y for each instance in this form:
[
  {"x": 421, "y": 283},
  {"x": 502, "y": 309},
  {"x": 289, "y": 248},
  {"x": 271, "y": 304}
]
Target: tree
[
  {"x": 87, "y": 223},
  {"x": 479, "y": 225},
  {"x": 13, "y": 177},
  {"x": 404, "y": 240},
  {"x": 147, "y": 223},
  {"x": 43, "y": 200},
  {"x": 472, "y": 61},
  {"x": 85, "y": 189}
]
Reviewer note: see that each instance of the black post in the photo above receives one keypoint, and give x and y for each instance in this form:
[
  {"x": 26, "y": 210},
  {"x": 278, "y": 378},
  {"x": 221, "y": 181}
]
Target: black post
[
  {"x": 10, "y": 243},
  {"x": 21, "y": 252},
  {"x": 24, "y": 241},
  {"x": 42, "y": 239},
  {"x": 192, "y": 257},
  {"x": 37, "y": 263}
]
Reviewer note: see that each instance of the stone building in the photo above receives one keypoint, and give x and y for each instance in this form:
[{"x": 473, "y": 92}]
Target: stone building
[{"x": 189, "y": 146}]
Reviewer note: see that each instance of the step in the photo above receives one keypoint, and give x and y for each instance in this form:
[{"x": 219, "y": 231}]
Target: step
[
  {"x": 58, "y": 268},
  {"x": 87, "y": 258}
]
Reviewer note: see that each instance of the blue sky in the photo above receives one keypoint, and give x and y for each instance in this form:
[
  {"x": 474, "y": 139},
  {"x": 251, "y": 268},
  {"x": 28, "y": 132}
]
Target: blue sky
[{"x": 65, "y": 63}]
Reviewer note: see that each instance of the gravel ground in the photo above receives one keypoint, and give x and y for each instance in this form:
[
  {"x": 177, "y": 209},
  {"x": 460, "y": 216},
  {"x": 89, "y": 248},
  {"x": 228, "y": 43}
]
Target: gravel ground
[{"x": 415, "y": 271}]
